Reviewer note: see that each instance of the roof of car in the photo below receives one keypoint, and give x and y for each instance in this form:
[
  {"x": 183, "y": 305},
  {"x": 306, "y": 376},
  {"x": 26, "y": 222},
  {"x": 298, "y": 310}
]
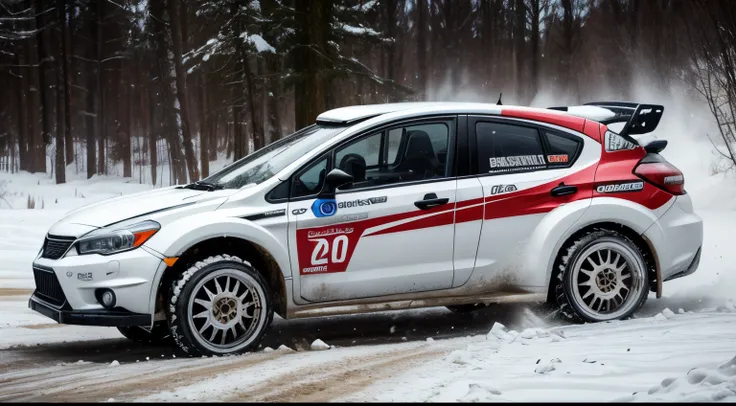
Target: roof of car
[
  {"x": 574, "y": 118},
  {"x": 350, "y": 114}
]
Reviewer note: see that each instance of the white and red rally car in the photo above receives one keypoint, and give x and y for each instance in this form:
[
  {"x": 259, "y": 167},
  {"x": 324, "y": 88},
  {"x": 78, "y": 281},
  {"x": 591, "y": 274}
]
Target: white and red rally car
[{"x": 383, "y": 207}]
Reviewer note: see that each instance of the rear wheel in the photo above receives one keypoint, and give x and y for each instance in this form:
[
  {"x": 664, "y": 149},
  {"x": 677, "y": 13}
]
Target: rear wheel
[
  {"x": 219, "y": 306},
  {"x": 603, "y": 276},
  {"x": 159, "y": 334}
]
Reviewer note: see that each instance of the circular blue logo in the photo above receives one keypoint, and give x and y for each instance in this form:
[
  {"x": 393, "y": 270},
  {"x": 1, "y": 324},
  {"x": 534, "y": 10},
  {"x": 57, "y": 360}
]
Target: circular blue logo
[{"x": 327, "y": 208}]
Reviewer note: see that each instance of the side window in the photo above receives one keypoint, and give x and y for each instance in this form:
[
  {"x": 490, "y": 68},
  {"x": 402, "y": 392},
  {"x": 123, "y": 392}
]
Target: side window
[
  {"x": 504, "y": 148},
  {"x": 561, "y": 150},
  {"x": 310, "y": 180},
  {"x": 400, "y": 154},
  {"x": 369, "y": 148}
]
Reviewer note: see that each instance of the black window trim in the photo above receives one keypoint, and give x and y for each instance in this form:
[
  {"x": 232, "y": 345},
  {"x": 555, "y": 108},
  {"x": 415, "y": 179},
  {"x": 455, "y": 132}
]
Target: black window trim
[
  {"x": 539, "y": 127},
  {"x": 385, "y": 127}
]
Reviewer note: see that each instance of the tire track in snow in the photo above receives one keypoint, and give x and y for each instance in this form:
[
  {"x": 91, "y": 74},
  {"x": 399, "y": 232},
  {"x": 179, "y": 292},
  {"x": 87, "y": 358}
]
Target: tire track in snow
[
  {"x": 97, "y": 382},
  {"x": 327, "y": 381}
]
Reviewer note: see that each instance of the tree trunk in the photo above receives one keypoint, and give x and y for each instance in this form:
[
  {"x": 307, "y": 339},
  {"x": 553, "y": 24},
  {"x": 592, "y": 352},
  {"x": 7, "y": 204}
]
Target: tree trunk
[
  {"x": 519, "y": 28},
  {"x": 567, "y": 32},
  {"x": 240, "y": 143},
  {"x": 100, "y": 95},
  {"x": 181, "y": 88},
  {"x": 390, "y": 8},
  {"x": 22, "y": 112},
  {"x": 152, "y": 134},
  {"x": 213, "y": 137},
  {"x": 165, "y": 95},
  {"x": 34, "y": 104},
  {"x": 126, "y": 136},
  {"x": 422, "y": 76},
  {"x": 273, "y": 91},
  {"x": 310, "y": 93},
  {"x": 66, "y": 32},
  {"x": 535, "y": 14},
  {"x": 203, "y": 130},
  {"x": 61, "y": 123},
  {"x": 43, "y": 88},
  {"x": 255, "y": 115}
]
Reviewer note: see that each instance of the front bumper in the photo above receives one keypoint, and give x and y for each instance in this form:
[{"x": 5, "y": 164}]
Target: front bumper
[
  {"x": 65, "y": 315},
  {"x": 65, "y": 288}
]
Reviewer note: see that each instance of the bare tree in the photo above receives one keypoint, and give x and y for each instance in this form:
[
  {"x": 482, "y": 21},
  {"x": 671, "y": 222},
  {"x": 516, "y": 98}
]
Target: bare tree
[{"x": 715, "y": 66}]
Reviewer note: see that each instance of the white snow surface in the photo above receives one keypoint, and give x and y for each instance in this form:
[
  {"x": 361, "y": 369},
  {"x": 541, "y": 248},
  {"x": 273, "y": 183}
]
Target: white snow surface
[{"x": 677, "y": 348}]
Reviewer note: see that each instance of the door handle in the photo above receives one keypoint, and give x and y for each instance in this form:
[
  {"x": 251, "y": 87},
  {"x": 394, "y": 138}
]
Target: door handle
[
  {"x": 563, "y": 190},
  {"x": 430, "y": 200}
]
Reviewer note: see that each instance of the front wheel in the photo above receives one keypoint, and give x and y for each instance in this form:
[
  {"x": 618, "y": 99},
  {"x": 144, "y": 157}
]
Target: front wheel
[
  {"x": 603, "y": 276},
  {"x": 219, "y": 306}
]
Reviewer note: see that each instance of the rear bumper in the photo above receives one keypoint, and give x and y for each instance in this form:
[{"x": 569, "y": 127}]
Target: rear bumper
[
  {"x": 677, "y": 239},
  {"x": 65, "y": 315}
]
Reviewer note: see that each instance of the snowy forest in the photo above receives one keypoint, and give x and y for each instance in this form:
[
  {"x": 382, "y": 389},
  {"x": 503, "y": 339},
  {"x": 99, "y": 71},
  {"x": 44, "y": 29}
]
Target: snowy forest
[{"x": 92, "y": 84}]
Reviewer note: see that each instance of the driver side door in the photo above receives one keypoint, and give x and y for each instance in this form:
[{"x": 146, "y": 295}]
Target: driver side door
[{"x": 391, "y": 230}]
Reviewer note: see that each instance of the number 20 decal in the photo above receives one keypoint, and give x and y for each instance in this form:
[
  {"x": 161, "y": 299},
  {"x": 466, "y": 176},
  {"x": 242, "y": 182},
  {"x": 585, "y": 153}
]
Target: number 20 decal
[{"x": 337, "y": 254}]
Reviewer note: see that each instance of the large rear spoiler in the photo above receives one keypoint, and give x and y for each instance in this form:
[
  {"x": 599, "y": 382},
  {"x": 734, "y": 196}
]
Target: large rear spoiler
[{"x": 639, "y": 118}]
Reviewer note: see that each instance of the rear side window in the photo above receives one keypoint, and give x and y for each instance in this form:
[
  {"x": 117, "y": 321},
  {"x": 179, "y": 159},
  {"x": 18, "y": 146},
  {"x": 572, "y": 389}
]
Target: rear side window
[
  {"x": 504, "y": 148},
  {"x": 561, "y": 150}
]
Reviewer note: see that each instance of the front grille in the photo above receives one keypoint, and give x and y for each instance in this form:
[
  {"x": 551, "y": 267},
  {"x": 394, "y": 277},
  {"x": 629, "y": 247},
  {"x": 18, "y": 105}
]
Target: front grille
[
  {"x": 54, "y": 247},
  {"x": 48, "y": 287}
]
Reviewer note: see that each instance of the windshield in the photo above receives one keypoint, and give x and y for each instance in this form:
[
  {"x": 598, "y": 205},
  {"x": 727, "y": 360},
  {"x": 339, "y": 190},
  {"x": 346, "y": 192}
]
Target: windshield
[{"x": 269, "y": 160}]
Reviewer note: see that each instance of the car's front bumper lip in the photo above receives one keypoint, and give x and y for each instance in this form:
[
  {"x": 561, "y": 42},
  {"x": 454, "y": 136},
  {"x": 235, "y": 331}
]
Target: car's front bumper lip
[{"x": 65, "y": 315}]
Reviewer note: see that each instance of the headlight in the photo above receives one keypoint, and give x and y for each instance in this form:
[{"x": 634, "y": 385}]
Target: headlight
[{"x": 124, "y": 239}]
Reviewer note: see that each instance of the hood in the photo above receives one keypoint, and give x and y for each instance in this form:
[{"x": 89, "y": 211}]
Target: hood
[{"x": 121, "y": 208}]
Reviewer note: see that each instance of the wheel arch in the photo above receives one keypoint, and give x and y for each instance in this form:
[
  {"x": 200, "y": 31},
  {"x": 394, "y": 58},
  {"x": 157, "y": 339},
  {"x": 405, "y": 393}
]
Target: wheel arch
[
  {"x": 255, "y": 254},
  {"x": 650, "y": 254}
]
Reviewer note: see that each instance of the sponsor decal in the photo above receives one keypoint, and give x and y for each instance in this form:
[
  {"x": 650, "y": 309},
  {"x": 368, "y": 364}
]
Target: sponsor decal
[
  {"x": 498, "y": 189},
  {"x": 557, "y": 159},
  {"x": 330, "y": 248},
  {"x": 297, "y": 212},
  {"x": 615, "y": 142},
  {"x": 272, "y": 213},
  {"x": 620, "y": 187},
  {"x": 353, "y": 217},
  {"x": 315, "y": 269},
  {"x": 69, "y": 274},
  {"x": 329, "y": 232},
  {"x": 362, "y": 202},
  {"x": 324, "y": 207},
  {"x": 516, "y": 162},
  {"x": 84, "y": 276}
]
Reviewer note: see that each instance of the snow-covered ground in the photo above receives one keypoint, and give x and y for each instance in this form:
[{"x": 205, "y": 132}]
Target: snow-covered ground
[{"x": 678, "y": 348}]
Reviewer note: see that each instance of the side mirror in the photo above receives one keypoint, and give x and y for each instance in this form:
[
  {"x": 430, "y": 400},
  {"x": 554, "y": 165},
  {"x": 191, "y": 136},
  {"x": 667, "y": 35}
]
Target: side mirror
[{"x": 334, "y": 179}]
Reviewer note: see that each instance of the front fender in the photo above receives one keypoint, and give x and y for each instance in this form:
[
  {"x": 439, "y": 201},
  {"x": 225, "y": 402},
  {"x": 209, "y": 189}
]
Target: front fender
[{"x": 176, "y": 237}]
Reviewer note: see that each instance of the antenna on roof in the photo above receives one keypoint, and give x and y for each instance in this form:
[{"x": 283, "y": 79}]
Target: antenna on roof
[{"x": 498, "y": 103}]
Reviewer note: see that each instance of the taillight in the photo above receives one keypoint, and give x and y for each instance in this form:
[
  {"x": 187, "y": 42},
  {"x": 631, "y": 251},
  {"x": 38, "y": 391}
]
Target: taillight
[{"x": 655, "y": 169}]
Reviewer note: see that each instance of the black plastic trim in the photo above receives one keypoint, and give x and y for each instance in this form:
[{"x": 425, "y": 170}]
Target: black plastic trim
[
  {"x": 267, "y": 214},
  {"x": 88, "y": 317}
]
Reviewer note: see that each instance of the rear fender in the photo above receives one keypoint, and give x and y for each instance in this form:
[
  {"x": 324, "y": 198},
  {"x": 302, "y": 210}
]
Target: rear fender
[{"x": 600, "y": 210}]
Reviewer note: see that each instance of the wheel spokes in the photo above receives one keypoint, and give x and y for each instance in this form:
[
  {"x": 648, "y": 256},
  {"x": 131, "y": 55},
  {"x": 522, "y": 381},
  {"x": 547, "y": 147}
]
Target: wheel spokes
[{"x": 609, "y": 279}]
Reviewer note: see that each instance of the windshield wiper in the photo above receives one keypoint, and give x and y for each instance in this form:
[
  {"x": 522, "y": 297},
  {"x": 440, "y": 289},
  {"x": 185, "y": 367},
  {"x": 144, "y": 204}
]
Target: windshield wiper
[{"x": 199, "y": 185}]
